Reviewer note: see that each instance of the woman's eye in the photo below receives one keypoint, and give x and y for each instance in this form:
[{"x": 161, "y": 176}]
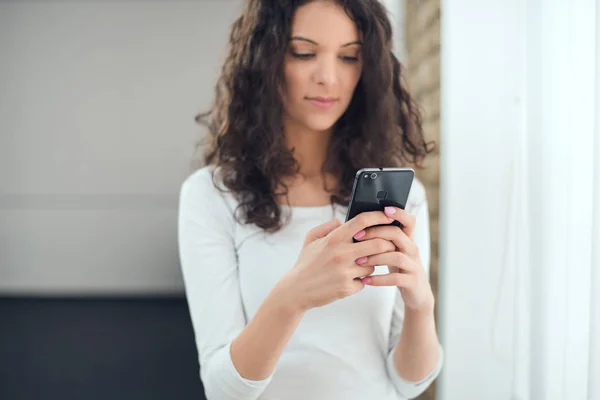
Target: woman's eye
[
  {"x": 303, "y": 56},
  {"x": 349, "y": 59}
]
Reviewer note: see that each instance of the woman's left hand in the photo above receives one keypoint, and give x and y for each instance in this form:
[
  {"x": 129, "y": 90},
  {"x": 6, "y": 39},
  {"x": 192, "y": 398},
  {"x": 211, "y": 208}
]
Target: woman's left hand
[{"x": 406, "y": 268}]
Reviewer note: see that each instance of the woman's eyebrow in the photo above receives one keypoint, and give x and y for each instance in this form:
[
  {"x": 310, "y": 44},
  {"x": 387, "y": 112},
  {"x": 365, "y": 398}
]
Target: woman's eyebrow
[{"x": 303, "y": 39}]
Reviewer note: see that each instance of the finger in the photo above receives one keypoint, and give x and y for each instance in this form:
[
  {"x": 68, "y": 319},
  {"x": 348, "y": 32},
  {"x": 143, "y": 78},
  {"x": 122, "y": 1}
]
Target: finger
[
  {"x": 357, "y": 285},
  {"x": 407, "y": 220},
  {"x": 394, "y": 234},
  {"x": 391, "y": 259},
  {"x": 400, "y": 280},
  {"x": 362, "y": 221},
  {"x": 370, "y": 247},
  {"x": 359, "y": 271},
  {"x": 322, "y": 230}
]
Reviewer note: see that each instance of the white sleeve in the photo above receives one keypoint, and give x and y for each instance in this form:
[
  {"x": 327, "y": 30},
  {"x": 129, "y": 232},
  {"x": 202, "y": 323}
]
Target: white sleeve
[
  {"x": 209, "y": 267},
  {"x": 408, "y": 389}
]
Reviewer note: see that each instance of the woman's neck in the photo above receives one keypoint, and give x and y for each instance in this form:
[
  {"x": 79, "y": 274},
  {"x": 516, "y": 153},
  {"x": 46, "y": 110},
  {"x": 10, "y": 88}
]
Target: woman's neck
[{"x": 310, "y": 147}]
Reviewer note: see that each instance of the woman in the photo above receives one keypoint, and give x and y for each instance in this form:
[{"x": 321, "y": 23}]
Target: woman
[{"x": 309, "y": 93}]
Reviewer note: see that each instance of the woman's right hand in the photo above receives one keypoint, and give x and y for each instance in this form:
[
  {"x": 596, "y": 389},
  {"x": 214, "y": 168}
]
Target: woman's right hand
[{"x": 329, "y": 265}]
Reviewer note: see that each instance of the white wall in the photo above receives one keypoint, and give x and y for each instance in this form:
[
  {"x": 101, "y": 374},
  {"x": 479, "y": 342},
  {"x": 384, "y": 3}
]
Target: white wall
[{"x": 97, "y": 101}]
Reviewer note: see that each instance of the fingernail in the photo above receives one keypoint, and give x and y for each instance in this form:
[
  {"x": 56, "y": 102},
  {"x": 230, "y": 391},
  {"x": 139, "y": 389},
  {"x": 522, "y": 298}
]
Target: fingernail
[
  {"x": 366, "y": 280},
  {"x": 360, "y": 234},
  {"x": 361, "y": 260},
  {"x": 390, "y": 210}
]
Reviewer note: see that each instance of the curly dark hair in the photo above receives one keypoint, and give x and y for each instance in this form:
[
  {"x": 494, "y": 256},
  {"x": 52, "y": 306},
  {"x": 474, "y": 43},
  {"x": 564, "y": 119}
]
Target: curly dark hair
[{"x": 246, "y": 141}]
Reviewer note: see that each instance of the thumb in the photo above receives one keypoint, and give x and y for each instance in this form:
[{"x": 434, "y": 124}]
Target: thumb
[{"x": 322, "y": 230}]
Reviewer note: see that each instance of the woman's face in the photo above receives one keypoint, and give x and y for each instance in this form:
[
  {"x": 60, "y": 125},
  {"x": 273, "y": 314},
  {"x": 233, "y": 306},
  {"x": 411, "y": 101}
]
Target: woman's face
[{"x": 322, "y": 65}]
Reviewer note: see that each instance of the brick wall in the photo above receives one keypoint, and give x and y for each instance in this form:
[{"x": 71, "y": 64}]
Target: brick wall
[{"x": 422, "y": 34}]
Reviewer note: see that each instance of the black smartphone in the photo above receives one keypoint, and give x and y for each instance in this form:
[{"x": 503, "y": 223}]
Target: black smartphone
[{"x": 376, "y": 188}]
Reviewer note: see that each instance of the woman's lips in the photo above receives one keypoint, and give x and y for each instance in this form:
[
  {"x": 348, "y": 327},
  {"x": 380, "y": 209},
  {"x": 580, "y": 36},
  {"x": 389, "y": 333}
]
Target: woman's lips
[{"x": 322, "y": 102}]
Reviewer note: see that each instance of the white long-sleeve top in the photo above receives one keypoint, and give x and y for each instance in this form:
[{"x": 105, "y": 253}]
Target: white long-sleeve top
[{"x": 343, "y": 350}]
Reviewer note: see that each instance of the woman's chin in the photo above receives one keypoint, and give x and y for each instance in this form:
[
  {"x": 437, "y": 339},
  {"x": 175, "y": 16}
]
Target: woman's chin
[{"x": 320, "y": 124}]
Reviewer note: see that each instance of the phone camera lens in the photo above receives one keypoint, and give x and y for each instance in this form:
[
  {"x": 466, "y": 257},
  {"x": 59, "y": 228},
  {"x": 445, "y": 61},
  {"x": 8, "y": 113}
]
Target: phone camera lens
[{"x": 373, "y": 175}]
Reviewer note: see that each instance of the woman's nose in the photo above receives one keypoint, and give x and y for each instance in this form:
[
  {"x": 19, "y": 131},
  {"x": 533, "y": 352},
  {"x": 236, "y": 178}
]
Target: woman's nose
[{"x": 326, "y": 72}]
